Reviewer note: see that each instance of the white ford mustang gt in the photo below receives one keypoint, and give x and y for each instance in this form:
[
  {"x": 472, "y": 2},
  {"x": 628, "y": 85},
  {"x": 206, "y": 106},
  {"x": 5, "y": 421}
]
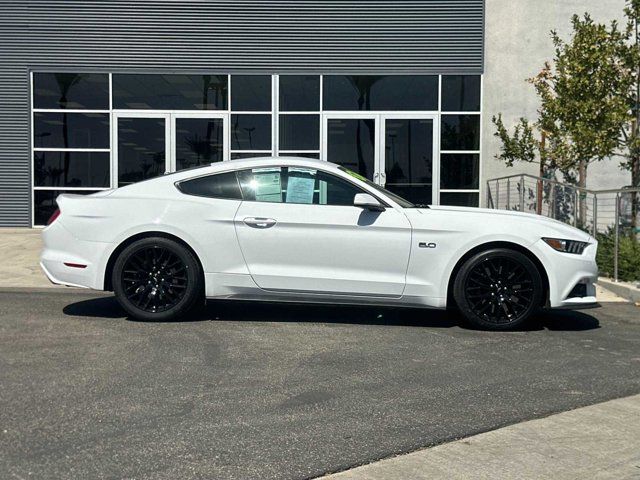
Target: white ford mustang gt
[{"x": 299, "y": 230}]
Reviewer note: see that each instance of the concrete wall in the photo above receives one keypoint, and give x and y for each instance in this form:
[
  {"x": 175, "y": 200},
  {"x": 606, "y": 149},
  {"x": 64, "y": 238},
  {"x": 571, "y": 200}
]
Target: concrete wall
[{"x": 516, "y": 45}]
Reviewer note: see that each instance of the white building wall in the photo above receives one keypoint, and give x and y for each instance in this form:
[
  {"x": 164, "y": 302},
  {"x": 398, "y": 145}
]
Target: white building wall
[{"x": 517, "y": 43}]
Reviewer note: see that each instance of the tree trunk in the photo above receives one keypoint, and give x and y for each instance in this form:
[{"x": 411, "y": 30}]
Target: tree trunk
[
  {"x": 582, "y": 204},
  {"x": 540, "y": 189}
]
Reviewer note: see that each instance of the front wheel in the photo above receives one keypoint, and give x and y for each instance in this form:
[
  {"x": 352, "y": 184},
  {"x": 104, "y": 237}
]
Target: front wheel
[
  {"x": 498, "y": 289},
  {"x": 157, "y": 279}
]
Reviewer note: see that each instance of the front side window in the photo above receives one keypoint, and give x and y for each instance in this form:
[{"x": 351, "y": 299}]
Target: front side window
[
  {"x": 221, "y": 185},
  {"x": 298, "y": 185}
]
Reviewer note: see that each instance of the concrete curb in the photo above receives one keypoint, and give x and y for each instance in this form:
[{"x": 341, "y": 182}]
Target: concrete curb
[
  {"x": 623, "y": 289},
  {"x": 596, "y": 441}
]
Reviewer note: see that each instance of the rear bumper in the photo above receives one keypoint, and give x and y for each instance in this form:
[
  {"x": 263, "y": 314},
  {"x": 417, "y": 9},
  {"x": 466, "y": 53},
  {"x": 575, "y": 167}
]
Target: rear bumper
[{"x": 63, "y": 254}]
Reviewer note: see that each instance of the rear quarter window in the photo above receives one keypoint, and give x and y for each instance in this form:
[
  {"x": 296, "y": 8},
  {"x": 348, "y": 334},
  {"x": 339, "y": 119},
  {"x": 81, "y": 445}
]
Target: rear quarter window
[{"x": 221, "y": 185}]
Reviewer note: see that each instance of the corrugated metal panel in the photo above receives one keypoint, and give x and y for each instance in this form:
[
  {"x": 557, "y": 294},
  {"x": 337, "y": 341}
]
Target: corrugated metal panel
[
  {"x": 329, "y": 36},
  {"x": 15, "y": 168}
]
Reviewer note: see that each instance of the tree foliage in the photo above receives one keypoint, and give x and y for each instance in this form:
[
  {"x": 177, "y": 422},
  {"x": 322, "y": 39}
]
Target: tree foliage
[
  {"x": 519, "y": 146},
  {"x": 581, "y": 106},
  {"x": 581, "y": 110},
  {"x": 630, "y": 134}
]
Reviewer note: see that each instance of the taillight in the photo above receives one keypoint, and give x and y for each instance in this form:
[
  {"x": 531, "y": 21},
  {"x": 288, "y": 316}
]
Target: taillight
[{"x": 53, "y": 217}]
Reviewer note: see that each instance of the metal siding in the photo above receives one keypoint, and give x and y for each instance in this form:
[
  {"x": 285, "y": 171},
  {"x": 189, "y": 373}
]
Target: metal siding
[
  {"x": 15, "y": 165},
  {"x": 330, "y": 36}
]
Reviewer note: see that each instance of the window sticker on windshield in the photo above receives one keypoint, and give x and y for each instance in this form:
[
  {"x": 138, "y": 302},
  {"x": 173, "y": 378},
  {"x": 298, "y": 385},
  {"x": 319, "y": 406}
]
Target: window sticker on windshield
[{"x": 355, "y": 175}]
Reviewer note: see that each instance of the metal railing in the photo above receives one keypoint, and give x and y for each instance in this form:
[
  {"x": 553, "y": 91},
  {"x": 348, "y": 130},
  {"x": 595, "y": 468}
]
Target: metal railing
[{"x": 612, "y": 216}]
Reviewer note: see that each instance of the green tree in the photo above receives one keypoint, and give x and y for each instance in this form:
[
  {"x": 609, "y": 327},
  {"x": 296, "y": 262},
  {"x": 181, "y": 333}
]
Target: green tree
[
  {"x": 582, "y": 105},
  {"x": 630, "y": 133}
]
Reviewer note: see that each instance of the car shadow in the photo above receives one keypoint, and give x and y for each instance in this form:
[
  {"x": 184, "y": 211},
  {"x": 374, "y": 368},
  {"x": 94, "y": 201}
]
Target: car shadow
[{"x": 217, "y": 310}]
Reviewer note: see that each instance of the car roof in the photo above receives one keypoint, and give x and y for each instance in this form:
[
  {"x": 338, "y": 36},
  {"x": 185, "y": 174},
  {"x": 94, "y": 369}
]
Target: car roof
[{"x": 266, "y": 161}]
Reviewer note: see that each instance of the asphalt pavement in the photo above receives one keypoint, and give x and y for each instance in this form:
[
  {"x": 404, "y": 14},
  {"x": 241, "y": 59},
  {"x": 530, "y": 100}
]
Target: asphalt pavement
[{"x": 276, "y": 391}]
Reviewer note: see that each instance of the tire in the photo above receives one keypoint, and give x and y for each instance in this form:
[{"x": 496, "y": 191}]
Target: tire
[
  {"x": 157, "y": 279},
  {"x": 498, "y": 289}
]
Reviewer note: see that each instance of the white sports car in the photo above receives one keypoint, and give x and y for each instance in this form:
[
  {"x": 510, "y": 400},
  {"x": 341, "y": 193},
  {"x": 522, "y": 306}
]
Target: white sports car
[{"x": 300, "y": 230}]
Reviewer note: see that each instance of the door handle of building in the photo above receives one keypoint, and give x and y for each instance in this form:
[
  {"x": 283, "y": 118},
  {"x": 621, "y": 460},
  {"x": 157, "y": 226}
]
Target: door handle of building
[{"x": 259, "y": 222}]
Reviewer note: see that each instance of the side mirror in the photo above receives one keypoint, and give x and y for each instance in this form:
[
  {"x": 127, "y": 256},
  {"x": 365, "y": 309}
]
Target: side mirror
[{"x": 364, "y": 200}]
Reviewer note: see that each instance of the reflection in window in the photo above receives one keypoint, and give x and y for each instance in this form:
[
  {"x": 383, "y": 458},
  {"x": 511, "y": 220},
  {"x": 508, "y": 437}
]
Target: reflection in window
[
  {"x": 300, "y": 154},
  {"x": 71, "y": 90},
  {"x": 409, "y": 158},
  {"x": 44, "y": 203},
  {"x": 371, "y": 92},
  {"x": 141, "y": 149},
  {"x": 299, "y": 132},
  {"x": 170, "y": 92},
  {"x": 351, "y": 143},
  {"x": 299, "y": 93},
  {"x": 459, "y": 170},
  {"x": 460, "y": 132},
  {"x": 409, "y": 151},
  {"x": 198, "y": 141},
  {"x": 71, "y": 169},
  {"x": 250, "y": 132},
  {"x": 460, "y": 199},
  {"x": 461, "y": 93},
  {"x": 71, "y": 130},
  {"x": 241, "y": 155},
  {"x": 251, "y": 93}
]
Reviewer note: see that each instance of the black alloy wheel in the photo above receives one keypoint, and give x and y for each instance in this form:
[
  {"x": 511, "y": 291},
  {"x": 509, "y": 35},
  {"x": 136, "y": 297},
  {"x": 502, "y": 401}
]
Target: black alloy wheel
[
  {"x": 498, "y": 289},
  {"x": 154, "y": 279},
  {"x": 157, "y": 279}
]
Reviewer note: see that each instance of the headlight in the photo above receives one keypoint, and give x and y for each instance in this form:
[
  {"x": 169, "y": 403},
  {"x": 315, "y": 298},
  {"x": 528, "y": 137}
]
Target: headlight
[{"x": 566, "y": 246}]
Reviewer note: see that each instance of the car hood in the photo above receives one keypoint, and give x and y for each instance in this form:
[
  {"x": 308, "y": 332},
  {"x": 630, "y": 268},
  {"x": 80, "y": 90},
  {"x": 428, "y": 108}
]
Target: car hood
[{"x": 543, "y": 226}]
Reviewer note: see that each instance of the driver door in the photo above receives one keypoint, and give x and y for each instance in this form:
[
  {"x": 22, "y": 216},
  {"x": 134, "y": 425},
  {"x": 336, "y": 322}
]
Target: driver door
[{"x": 299, "y": 231}]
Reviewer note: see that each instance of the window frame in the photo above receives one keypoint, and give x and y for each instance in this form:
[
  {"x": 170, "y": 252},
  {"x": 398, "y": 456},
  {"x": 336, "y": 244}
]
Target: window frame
[{"x": 274, "y": 111}]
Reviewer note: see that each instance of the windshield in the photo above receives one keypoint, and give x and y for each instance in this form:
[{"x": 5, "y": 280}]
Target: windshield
[{"x": 399, "y": 200}]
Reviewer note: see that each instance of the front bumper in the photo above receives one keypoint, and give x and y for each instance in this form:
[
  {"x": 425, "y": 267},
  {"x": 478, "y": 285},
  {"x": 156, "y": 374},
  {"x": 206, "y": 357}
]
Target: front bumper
[
  {"x": 566, "y": 271},
  {"x": 61, "y": 247}
]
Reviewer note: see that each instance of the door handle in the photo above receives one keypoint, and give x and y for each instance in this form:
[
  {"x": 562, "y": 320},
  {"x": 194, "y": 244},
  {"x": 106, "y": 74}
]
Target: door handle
[{"x": 259, "y": 222}]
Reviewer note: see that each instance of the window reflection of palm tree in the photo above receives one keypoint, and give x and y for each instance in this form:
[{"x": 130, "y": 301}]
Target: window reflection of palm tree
[
  {"x": 363, "y": 85},
  {"x": 249, "y": 131},
  {"x": 201, "y": 147},
  {"x": 208, "y": 85},
  {"x": 65, "y": 81},
  {"x": 395, "y": 173}
]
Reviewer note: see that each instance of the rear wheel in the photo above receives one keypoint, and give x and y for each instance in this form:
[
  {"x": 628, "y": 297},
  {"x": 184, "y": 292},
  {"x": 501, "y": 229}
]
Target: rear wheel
[
  {"x": 498, "y": 289},
  {"x": 157, "y": 279}
]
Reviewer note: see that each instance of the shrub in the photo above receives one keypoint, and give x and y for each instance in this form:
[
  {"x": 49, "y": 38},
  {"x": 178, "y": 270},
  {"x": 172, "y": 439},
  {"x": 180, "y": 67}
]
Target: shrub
[{"x": 628, "y": 255}]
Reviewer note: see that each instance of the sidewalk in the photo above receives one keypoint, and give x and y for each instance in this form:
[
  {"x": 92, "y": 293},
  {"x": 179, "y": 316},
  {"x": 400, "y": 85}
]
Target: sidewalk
[
  {"x": 597, "y": 442},
  {"x": 19, "y": 259}
]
